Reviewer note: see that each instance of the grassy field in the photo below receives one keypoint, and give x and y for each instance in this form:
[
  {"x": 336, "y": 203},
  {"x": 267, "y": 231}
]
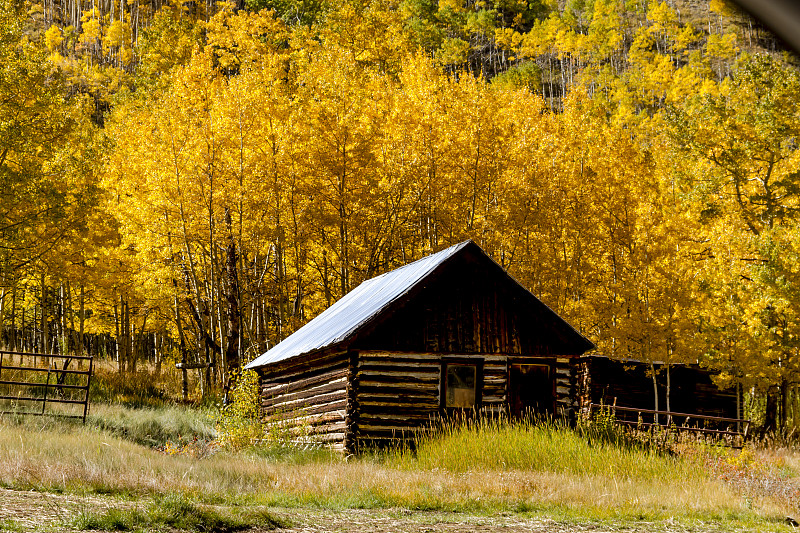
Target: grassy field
[{"x": 146, "y": 463}]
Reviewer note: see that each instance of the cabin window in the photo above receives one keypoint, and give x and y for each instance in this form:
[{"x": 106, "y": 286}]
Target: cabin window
[{"x": 461, "y": 382}]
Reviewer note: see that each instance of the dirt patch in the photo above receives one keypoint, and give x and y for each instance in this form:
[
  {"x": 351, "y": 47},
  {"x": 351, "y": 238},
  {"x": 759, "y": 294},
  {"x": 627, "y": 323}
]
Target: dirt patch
[
  {"x": 394, "y": 521},
  {"x": 33, "y": 510}
]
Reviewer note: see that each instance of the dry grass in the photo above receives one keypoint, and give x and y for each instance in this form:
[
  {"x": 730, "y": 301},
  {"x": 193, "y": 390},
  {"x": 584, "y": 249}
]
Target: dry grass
[
  {"x": 786, "y": 460},
  {"x": 73, "y": 458},
  {"x": 771, "y": 475}
]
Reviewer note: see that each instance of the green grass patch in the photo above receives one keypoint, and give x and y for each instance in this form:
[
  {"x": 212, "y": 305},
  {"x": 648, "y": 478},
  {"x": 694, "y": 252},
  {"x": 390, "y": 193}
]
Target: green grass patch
[
  {"x": 175, "y": 511},
  {"x": 109, "y": 520},
  {"x": 545, "y": 447},
  {"x": 154, "y": 426},
  {"x": 10, "y": 526}
]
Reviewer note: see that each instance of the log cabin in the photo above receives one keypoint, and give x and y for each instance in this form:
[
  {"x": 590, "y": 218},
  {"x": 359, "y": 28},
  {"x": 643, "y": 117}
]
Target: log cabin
[{"x": 452, "y": 332}]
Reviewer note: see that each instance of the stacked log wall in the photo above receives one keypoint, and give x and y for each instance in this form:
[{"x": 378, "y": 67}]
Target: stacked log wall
[
  {"x": 307, "y": 400},
  {"x": 399, "y": 394},
  {"x": 495, "y": 385},
  {"x": 566, "y": 398}
]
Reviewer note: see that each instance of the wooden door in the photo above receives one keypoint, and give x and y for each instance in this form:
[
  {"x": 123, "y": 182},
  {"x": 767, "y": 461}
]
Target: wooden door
[{"x": 530, "y": 390}]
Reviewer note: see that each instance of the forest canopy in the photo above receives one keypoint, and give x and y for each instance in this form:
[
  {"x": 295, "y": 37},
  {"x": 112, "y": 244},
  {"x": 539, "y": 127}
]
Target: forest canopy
[{"x": 193, "y": 181}]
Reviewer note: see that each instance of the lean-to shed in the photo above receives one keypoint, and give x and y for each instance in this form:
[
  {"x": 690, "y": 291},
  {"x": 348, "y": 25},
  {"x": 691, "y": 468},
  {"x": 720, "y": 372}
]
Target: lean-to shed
[
  {"x": 629, "y": 383},
  {"x": 449, "y": 332}
]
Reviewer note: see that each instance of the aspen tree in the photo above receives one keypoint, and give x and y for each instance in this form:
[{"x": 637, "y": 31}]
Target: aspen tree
[{"x": 743, "y": 139}]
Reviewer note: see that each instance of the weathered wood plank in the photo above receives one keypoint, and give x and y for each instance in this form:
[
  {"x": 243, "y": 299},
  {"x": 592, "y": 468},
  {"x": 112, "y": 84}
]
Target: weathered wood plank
[
  {"x": 422, "y": 404},
  {"x": 318, "y": 429},
  {"x": 407, "y": 396},
  {"x": 302, "y": 403},
  {"x": 402, "y": 389},
  {"x": 378, "y": 379},
  {"x": 338, "y": 405},
  {"x": 428, "y": 366},
  {"x": 493, "y": 394},
  {"x": 311, "y": 361},
  {"x": 396, "y": 419},
  {"x": 494, "y": 399},
  {"x": 285, "y": 388},
  {"x": 400, "y": 410},
  {"x": 420, "y": 373},
  {"x": 307, "y": 374},
  {"x": 301, "y": 430},
  {"x": 308, "y": 420},
  {"x": 402, "y": 392},
  {"x": 401, "y": 361},
  {"x": 330, "y": 437},
  {"x": 369, "y": 354},
  {"x": 337, "y": 385}
]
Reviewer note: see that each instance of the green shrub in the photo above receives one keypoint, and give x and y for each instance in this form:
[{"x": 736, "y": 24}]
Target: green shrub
[{"x": 239, "y": 424}]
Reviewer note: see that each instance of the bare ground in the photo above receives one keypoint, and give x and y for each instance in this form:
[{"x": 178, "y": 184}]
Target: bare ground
[{"x": 37, "y": 511}]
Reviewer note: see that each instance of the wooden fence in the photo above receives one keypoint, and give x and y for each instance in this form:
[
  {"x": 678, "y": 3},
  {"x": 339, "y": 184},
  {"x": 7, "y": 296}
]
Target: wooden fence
[
  {"x": 39, "y": 379},
  {"x": 736, "y": 430}
]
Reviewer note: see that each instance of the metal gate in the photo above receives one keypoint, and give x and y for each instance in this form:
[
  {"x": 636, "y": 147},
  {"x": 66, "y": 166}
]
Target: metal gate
[{"x": 44, "y": 384}]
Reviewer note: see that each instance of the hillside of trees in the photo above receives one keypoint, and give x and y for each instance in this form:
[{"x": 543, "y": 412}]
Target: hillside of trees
[{"x": 193, "y": 181}]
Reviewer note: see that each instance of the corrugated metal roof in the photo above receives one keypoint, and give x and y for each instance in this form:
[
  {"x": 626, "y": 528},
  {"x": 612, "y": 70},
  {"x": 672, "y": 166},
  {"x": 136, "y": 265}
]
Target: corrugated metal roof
[{"x": 355, "y": 309}]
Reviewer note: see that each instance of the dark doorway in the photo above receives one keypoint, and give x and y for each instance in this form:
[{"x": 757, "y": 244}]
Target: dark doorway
[{"x": 531, "y": 390}]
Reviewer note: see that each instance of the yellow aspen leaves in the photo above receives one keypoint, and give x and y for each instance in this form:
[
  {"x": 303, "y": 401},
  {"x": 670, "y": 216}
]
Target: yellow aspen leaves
[
  {"x": 53, "y": 38},
  {"x": 633, "y": 165}
]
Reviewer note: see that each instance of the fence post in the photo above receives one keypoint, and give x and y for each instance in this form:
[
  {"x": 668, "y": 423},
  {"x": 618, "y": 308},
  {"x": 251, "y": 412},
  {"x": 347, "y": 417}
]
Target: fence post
[
  {"x": 86, "y": 396},
  {"x": 46, "y": 387}
]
